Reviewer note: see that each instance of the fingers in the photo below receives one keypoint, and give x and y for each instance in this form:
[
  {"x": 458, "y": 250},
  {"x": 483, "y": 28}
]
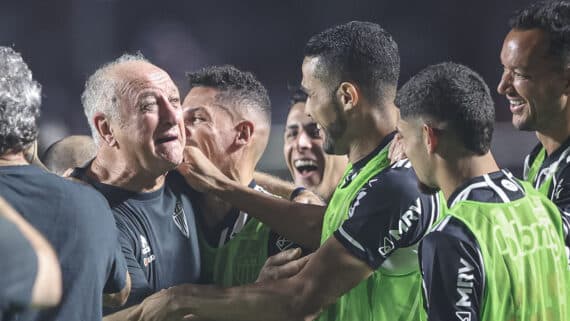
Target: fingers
[
  {"x": 282, "y": 265},
  {"x": 284, "y": 257},
  {"x": 291, "y": 268}
]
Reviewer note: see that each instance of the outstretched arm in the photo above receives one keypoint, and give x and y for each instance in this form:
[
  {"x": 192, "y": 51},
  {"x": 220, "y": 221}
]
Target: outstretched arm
[
  {"x": 300, "y": 297},
  {"x": 300, "y": 223}
]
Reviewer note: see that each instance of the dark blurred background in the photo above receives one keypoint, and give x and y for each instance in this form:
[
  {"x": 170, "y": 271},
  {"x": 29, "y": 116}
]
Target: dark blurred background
[{"x": 64, "y": 41}]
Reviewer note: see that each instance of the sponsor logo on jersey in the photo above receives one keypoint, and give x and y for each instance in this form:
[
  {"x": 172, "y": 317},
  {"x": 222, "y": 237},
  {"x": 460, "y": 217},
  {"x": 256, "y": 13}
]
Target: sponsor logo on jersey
[
  {"x": 465, "y": 279},
  {"x": 405, "y": 222},
  {"x": 283, "y": 243},
  {"x": 463, "y": 315},
  {"x": 180, "y": 219},
  {"x": 145, "y": 251},
  {"x": 509, "y": 185}
]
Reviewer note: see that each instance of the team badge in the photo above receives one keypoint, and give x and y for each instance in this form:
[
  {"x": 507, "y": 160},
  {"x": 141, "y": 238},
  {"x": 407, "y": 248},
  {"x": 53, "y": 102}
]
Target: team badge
[{"x": 180, "y": 219}]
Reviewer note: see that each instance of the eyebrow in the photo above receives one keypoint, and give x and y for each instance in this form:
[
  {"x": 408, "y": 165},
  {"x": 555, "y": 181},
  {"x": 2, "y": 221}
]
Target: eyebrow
[{"x": 294, "y": 126}]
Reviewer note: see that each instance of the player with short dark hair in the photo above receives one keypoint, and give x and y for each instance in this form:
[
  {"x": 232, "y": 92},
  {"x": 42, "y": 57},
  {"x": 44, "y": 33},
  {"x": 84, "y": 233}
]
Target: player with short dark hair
[
  {"x": 306, "y": 160},
  {"x": 227, "y": 114},
  {"x": 498, "y": 253},
  {"x": 536, "y": 81}
]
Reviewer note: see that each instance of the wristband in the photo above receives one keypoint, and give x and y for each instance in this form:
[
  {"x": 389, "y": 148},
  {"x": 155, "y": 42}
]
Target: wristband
[{"x": 296, "y": 192}]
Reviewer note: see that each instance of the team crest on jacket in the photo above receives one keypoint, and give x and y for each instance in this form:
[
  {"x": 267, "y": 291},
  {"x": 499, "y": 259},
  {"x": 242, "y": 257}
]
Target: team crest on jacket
[{"x": 180, "y": 219}]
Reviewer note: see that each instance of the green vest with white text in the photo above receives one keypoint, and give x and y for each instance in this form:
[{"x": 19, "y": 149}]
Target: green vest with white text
[
  {"x": 525, "y": 266},
  {"x": 381, "y": 297}
]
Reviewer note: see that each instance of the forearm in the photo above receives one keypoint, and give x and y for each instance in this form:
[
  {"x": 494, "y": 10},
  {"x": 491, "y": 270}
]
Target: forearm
[
  {"x": 274, "y": 185},
  {"x": 300, "y": 223},
  {"x": 273, "y": 301}
]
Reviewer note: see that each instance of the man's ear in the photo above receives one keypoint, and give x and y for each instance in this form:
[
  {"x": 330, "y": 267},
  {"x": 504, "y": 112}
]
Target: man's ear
[
  {"x": 104, "y": 129},
  {"x": 244, "y": 130},
  {"x": 348, "y": 94},
  {"x": 431, "y": 138}
]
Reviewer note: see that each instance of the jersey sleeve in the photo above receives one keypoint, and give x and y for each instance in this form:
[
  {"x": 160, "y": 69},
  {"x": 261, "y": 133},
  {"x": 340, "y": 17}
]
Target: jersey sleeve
[
  {"x": 561, "y": 197},
  {"x": 140, "y": 287},
  {"x": 18, "y": 265},
  {"x": 388, "y": 213},
  {"x": 452, "y": 272},
  {"x": 117, "y": 274}
]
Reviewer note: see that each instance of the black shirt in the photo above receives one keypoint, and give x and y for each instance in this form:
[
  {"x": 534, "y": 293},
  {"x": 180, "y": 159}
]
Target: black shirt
[
  {"x": 19, "y": 268},
  {"x": 78, "y": 223},
  {"x": 157, "y": 232},
  {"x": 451, "y": 260},
  {"x": 388, "y": 215},
  {"x": 559, "y": 192}
]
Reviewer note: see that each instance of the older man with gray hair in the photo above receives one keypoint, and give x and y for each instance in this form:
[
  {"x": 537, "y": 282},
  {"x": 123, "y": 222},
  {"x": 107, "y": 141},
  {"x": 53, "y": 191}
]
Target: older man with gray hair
[
  {"x": 73, "y": 218},
  {"x": 135, "y": 114}
]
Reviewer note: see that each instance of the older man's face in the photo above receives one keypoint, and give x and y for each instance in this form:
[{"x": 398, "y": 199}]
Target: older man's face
[{"x": 150, "y": 129}]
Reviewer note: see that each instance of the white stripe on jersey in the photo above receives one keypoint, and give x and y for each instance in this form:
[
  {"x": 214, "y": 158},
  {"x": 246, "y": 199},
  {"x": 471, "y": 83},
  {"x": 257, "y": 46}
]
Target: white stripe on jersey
[{"x": 350, "y": 239}]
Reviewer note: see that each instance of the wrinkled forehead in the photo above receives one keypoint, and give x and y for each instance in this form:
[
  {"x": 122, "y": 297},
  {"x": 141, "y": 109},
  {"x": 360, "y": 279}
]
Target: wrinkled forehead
[{"x": 136, "y": 78}]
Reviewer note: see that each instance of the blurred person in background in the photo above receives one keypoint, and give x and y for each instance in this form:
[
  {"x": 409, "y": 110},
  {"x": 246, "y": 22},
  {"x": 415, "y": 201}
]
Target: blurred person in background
[{"x": 68, "y": 153}]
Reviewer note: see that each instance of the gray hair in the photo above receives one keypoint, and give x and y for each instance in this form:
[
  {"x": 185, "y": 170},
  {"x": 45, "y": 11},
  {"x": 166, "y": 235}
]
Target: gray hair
[
  {"x": 100, "y": 94},
  {"x": 20, "y": 100}
]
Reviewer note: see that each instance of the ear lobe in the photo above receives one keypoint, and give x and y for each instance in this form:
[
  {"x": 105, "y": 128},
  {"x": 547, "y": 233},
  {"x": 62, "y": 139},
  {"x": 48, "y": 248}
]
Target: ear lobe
[
  {"x": 244, "y": 131},
  {"x": 104, "y": 129},
  {"x": 349, "y": 95}
]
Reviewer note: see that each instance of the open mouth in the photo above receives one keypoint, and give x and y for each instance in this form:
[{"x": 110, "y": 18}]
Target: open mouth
[
  {"x": 306, "y": 166},
  {"x": 166, "y": 139},
  {"x": 516, "y": 104}
]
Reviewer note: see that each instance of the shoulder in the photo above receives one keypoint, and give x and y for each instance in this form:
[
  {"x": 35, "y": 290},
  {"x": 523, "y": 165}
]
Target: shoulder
[
  {"x": 451, "y": 228},
  {"x": 399, "y": 176}
]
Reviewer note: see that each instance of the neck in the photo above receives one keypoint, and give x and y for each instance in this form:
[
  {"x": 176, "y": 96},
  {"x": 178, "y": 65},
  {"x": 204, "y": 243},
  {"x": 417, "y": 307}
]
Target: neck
[
  {"x": 111, "y": 170},
  {"x": 556, "y": 133},
  {"x": 241, "y": 172},
  {"x": 454, "y": 174},
  {"x": 216, "y": 208},
  {"x": 373, "y": 127},
  {"x": 13, "y": 159}
]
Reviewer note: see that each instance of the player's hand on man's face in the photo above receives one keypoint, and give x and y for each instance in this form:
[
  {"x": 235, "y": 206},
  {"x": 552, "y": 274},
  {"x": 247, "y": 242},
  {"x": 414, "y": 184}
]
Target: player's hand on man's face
[
  {"x": 308, "y": 197},
  {"x": 282, "y": 265},
  {"x": 199, "y": 171},
  {"x": 396, "y": 151},
  {"x": 157, "y": 307}
]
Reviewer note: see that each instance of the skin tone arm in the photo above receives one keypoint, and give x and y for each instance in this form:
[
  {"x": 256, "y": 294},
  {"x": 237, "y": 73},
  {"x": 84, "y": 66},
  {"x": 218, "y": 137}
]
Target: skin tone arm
[
  {"x": 284, "y": 189},
  {"x": 159, "y": 308},
  {"x": 301, "y": 223},
  {"x": 119, "y": 298},
  {"x": 300, "y": 297},
  {"x": 274, "y": 184},
  {"x": 47, "y": 286}
]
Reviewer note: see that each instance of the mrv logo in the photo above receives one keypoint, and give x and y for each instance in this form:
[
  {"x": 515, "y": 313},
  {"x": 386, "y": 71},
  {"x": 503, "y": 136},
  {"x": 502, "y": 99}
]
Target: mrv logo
[
  {"x": 464, "y": 284},
  {"x": 406, "y": 220}
]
